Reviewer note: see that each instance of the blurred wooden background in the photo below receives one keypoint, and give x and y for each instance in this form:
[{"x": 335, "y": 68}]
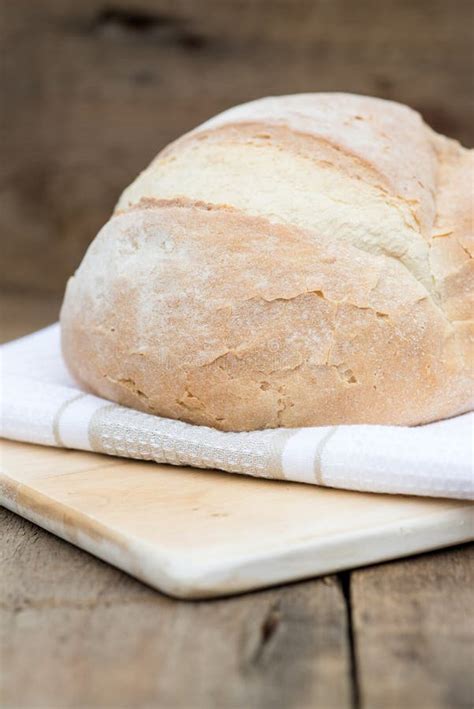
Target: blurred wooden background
[{"x": 91, "y": 90}]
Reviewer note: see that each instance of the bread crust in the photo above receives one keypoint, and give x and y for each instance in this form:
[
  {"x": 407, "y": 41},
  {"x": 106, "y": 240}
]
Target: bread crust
[{"x": 339, "y": 292}]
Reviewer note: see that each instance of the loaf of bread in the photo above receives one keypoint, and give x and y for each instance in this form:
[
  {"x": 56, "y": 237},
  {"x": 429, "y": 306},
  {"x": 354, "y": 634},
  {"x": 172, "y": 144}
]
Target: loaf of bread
[{"x": 295, "y": 261}]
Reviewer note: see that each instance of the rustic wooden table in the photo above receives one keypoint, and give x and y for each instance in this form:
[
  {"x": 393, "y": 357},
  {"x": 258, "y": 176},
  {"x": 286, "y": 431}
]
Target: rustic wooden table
[{"x": 78, "y": 633}]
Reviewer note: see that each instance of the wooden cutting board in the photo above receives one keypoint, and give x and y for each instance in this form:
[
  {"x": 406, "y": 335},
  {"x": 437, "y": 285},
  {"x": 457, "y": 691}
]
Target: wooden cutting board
[{"x": 198, "y": 534}]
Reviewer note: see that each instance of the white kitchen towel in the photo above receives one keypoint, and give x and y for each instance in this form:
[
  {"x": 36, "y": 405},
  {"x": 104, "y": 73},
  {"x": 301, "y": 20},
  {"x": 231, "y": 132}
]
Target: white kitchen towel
[{"x": 41, "y": 403}]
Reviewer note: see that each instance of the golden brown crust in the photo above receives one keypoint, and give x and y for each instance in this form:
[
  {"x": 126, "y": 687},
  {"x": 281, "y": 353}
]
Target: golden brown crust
[
  {"x": 153, "y": 203},
  {"x": 235, "y": 317}
]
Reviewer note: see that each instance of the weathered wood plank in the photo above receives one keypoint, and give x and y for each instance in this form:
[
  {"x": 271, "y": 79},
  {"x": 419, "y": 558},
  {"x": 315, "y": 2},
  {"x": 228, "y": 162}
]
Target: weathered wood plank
[
  {"x": 22, "y": 313},
  {"x": 414, "y": 632},
  {"x": 77, "y": 633},
  {"x": 91, "y": 90}
]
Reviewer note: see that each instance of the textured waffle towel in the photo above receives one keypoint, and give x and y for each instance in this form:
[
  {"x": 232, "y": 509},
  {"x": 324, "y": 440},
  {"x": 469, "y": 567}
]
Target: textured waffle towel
[{"x": 41, "y": 403}]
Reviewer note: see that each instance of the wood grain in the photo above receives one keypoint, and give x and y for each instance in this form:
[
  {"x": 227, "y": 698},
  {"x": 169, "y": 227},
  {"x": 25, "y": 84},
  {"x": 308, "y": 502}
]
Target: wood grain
[
  {"x": 78, "y": 633},
  {"x": 90, "y": 91},
  {"x": 22, "y": 313},
  {"x": 414, "y": 632}
]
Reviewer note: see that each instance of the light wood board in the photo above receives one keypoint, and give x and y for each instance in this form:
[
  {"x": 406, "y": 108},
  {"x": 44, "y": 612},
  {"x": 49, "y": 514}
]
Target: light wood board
[{"x": 197, "y": 534}]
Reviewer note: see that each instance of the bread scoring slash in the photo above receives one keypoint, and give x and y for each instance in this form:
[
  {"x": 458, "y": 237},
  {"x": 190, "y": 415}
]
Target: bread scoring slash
[{"x": 296, "y": 261}]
